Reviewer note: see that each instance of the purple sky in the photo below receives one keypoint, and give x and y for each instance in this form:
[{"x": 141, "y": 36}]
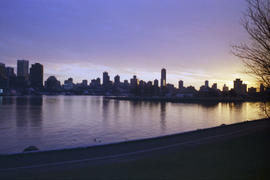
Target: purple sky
[{"x": 82, "y": 38}]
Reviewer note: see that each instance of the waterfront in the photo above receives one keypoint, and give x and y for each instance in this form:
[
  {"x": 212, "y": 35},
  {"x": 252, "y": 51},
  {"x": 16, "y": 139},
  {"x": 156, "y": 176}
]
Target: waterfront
[{"x": 54, "y": 122}]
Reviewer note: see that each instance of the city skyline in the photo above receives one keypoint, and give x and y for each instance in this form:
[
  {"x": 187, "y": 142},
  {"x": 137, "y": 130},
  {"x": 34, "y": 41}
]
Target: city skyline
[
  {"x": 35, "y": 75},
  {"x": 127, "y": 38}
]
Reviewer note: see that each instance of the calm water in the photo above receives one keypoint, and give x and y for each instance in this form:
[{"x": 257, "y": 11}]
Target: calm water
[{"x": 53, "y": 122}]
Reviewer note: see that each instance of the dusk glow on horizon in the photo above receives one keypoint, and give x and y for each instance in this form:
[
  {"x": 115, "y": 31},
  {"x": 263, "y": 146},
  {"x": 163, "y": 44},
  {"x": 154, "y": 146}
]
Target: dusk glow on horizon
[{"x": 82, "y": 39}]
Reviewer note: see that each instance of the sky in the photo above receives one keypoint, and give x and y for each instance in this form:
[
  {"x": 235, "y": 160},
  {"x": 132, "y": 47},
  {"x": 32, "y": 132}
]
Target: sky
[{"x": 192, "y": 39}]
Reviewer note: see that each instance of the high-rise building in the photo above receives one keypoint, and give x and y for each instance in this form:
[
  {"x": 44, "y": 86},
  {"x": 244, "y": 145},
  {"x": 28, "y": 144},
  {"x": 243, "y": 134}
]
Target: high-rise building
[
  {"x": 117, "y": 80},
  {"x": 36, "y": 75},
  {"x": 2, "y": 70},
  {"x": 126, "y": 83},
  {"x": 206, "y": 84},
  {"x": 180, "y": 84},
  {"x": 155, "y": 83},
  {"x": 244, "y": 88},
  {"x": 23, "y": 68},
  {"x": 239, "y": 87},
  {"x": 134, "y": 81},
  {"x": 106, "y": 79},
  {"x": 214, "y": 86},
  {"x": 163, "y": 78},
  {"x": 3, "y": 78},
  {"x": 10, "y": 72},
  {"x": 262, "y": 88},
  {"x": 84, "y": 83},
  {"x": 225, "y": 88}
]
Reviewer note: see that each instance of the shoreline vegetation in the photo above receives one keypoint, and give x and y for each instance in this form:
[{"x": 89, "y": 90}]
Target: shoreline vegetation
[{"x": 240, "y": 150}]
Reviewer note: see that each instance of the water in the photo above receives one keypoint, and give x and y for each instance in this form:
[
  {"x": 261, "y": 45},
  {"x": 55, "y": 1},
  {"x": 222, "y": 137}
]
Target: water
[{"x": 54, "y": 122}]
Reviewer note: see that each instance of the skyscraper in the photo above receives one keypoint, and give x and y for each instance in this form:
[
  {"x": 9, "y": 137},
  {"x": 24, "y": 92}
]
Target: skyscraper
[
  {"x": 261, "y": 88},
  {"x": 10, "y": 72},
  {"x": 36, "y": 75},
  {"x": 214, "y": 86},
  {"x": 206, "y": 84},
  {"x": 2, "y": 70},
  {"x": 180, "y": 84},
  {"x": 225, "y": 88},
  {"x": 163, "y": 78},
  {"x": 106, "y": 78},
  {"x": 117, "y": 80},
  {"x": 239, "y": 87},
  {"x": 155, "y": 83},
  {"x": 23, "y": 68},
  {"x": 134, "y": 81}
]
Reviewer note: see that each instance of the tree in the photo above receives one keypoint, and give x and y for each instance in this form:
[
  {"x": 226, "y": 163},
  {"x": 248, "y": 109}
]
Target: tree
[{"x": 255, "y": 54}]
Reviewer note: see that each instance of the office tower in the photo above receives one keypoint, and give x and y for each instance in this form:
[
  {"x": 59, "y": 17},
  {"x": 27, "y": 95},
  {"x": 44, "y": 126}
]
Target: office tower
[
  {"x": 155, "y": 83},
  {"x": 244, "y": 88},
  {"x": 261, "y": 88},
  {"x": 126, "y": 83},
  {"x": 214, "y": 86},
  {"x": 84, "y": 83},
  {"x": 36, "y": 75},
  {"x": 180, "y": 84},
  {"x": 239, "y": 87},
  {"x": 149, "y": 84},
  {"x": 23, "y": 68},
  {"x": 163, "y": 78},
  {"x": 106, "y": 79},
  {"x": 10, "y": 72},
  {"x": 117, "y": 80},
  {"x": 98, "y": 82},
  {"x": 206, "y": 84},
  {"x": 3, "y": 78},
  {"x": 134, "y": 81},
  {"x": 2, "y": 70},
  {"x": 225, "y": 88}
]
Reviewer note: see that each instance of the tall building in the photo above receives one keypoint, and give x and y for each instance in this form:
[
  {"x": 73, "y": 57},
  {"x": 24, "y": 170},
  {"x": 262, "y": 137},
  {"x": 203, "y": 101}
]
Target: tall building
[
  {"x": 3, "y": 78},
  {"x": 134, "y": 81},
  {"x": 10, "y": 72},
  {"x": 163, "y": 78},
  {"x": 2, "y": 70},
  {"x": 225, "y": 88},
  {"x": 117, "y": 80},
  {"x": 239, "y": 87},
  {"x": 261, "y": 88},
  {"x": 23, "y": 68},
  {"x": 180, "y": 84},
  {"x": 155, "y": 83},
  {"x": 36, "y": 75},
  {"x": 106, "y": 79},
  {"x": 206, "y": 84},
  {"x": 84, "y": 83},
  {"x": 214, "y": 86}
]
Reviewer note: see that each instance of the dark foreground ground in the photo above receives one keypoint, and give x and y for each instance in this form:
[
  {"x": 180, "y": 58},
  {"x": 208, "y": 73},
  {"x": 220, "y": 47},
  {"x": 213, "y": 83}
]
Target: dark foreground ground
[{"x": 239, "y": 151}]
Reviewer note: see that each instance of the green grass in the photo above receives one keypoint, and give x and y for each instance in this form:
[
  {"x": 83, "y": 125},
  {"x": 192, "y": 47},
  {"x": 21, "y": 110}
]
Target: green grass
[{"x": 244, "y": 157}]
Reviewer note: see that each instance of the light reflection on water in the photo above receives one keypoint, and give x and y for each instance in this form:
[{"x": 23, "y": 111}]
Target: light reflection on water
[{"x": 52, "y": 122}]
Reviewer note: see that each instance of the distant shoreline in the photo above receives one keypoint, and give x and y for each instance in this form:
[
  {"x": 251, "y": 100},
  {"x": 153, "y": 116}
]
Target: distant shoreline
[
  {"x": 160, "y": 99},
  {"x": 184, "y": 100}
]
